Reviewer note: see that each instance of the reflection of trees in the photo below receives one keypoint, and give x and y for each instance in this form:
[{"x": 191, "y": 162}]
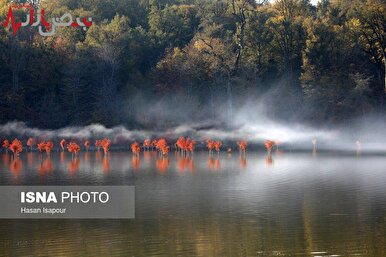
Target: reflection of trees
[
  {"x": 135, "y": 162},
  {"x": 162, "y": 164},
  {"x": 307, "y": 224},
  {"x": 106, "y": 164},
  {"x": 73, "y": 166},
  {"x": 16, "y": 167}
]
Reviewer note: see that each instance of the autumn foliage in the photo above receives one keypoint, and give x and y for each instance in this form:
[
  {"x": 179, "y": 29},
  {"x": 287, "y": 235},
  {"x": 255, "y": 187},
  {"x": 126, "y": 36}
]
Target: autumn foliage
[
  {"x": 16, "y": 147},
  {"x": 162, "y": 146},
  {"x": 268, "y": 145},
  {"x": 6, "y": 144},
  {"x": 41, "y": 146},
  {"x": 147, "y": 144},
  {"x": 242, "y": 146},
  {"x": 73, "y": 148},
  {"x": 48, "y": 147},
  {"x": 210, "y": 145},
  {"x": 98, "y": 144},
  {"x": 106, "y": 143},
  {"x": 135, "y": 148},
  {"x": 185, "y": 145},
  {"x": 217, "y": 146}
]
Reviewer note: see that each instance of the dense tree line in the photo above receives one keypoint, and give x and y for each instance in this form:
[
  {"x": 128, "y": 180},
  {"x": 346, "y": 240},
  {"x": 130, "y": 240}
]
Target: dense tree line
[{"x": 146, "y": 61}]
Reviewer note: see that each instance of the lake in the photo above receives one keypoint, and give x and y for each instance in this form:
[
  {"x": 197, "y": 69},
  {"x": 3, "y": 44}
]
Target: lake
[{"x": 293, "y": 204}]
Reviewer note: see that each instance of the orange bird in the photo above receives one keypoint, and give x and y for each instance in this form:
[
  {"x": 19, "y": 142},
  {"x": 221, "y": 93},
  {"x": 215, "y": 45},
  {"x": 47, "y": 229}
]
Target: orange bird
[
  {"x": 154, "y": 143},
  {"x": 106, "y": 143},
  {"x": 242, "y": 146},
  {"x": 135, "y": 148},
  {"x": 6, "y": 144},
  {"x": 87, "y": 144},
  {"x": 147, "y": 144},
  {"x": 73, "y": 148},
  {"x": 181, "y": 143},
  {"x": 162, "y": 146},
  {"x": 16, "y": 147},
  {"x": 63, "y": 144},
  {"x": 185, "y": 145},
  {"x": 268, "y": 145},
  {"x": 41, "y": 146},
  {"x": 210, "y": 145},
  {"x": 191, "y": 145},
  {"x": 98, "y": 144},
  {"x": 30, "y": 142},
  {"x": 48, "y": 146},
  {"x": 217, "y": 146},
  {"x": 165, "y": 150}
]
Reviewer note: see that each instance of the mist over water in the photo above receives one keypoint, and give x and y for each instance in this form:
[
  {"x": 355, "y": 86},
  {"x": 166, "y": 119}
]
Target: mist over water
[{"x": 248, "y": 124}]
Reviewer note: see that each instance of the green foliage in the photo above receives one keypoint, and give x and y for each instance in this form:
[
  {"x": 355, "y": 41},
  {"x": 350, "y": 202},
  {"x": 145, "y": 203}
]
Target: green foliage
[{"x": 329, "y": 59}]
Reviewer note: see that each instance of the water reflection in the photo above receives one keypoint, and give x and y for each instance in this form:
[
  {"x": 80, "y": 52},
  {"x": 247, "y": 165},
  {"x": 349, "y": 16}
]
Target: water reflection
[
  {"x": 135, "y": 162},
  {"x": 243, "y": 162},
  {"x": 185, "y": 163},
  {"x": 106, "y": 164},
  {"x": 46, "y": 166},
  {"x": 6, "y": 158},
  {"x": 16, "y": 167},
  {"x": 30, "y": 159},
  {"x": 269, "y": 160},
  {"x": 98, "y": 156},
  {"x": 162, "y": 165},
  {"x": 73, "y": 166},
  {"x": 147, "y": 155},
  {"x": 298, "y": 208},
  {"x": 87, "y": 157}
]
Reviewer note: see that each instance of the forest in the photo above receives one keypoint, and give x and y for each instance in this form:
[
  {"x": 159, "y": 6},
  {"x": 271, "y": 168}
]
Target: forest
[{"x": 150, "y": 63}]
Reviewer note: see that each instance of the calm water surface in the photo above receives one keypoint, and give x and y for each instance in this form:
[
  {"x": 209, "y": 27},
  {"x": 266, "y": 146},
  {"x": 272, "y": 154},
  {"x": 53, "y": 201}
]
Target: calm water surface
[{"x": 294, "y": 204}]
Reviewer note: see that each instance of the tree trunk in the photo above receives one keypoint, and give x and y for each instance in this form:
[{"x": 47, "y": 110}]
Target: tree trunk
[
  {"x": 384, "y": 74},
  {"x": 229, "y": 101}
]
